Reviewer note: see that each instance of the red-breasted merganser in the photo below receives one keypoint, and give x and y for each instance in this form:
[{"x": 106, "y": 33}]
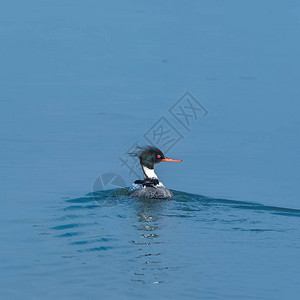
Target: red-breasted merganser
[{"x": 150, "y": 187}]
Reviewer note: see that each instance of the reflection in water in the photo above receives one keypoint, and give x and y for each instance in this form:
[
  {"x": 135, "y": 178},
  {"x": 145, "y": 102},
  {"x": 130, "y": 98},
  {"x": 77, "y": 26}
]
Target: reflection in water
[
  {"x": 149, "y": 256},
  {"x": 147, "y": 239},
  {"x": 111, "y": 221},
  {"x": 85, "y": 224}
]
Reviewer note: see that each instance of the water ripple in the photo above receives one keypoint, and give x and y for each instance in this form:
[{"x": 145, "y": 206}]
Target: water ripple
[{"x": 133, "y": 231}]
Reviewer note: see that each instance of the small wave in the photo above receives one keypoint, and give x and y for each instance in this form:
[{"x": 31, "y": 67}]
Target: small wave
[{"x": 113, "y": 224}]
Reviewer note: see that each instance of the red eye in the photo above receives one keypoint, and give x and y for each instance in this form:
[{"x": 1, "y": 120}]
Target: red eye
[{"x": 158, "y": 156}]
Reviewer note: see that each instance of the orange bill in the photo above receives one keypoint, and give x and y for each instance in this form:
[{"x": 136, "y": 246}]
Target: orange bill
[{"x": 170, "y": 159}]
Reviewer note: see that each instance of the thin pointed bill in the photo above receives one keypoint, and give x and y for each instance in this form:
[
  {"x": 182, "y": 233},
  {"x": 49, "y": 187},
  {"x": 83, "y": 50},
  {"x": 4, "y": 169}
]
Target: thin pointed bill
[{"x": 170, "y": 159}]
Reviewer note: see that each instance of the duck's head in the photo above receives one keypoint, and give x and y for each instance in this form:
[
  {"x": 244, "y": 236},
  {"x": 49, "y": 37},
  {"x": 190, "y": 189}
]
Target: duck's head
[{"x": 150, "y": 156}]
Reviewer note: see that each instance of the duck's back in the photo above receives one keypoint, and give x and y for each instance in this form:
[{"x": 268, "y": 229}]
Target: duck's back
[{"x": 159, "y": 192}]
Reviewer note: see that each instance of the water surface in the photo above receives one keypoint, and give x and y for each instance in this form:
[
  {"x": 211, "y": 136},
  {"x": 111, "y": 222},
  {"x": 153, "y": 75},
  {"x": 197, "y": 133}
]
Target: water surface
[
  {"x": 82, "y": 81},
  {"x": 190, "y": 247}
]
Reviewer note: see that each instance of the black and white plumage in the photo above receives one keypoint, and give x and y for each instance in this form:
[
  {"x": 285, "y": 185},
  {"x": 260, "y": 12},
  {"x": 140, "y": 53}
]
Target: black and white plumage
[{"x": 150, "y": 187}]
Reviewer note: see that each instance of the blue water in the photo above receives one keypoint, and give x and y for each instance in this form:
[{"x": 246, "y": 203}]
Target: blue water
[
  {"x": 81, "y": 83},
  {"x": 110, "y": 245}
]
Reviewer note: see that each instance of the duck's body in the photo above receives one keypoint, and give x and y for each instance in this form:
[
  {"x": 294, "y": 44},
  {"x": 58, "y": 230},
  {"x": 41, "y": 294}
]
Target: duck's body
[
  {"x": 159, "y": 192},
  {"x": 150, "y": 187}
]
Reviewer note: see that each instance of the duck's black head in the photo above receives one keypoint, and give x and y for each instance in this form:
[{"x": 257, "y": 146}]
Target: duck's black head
[{"x": 149, "y": 156}]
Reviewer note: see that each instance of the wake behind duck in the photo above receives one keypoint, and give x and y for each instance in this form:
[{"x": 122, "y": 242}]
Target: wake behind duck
[{"x": 150, "y": 187}]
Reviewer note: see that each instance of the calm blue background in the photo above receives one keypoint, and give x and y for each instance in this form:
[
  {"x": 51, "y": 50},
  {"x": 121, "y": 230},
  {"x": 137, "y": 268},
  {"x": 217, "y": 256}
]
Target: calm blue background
[{"x": 81, "y": 81}]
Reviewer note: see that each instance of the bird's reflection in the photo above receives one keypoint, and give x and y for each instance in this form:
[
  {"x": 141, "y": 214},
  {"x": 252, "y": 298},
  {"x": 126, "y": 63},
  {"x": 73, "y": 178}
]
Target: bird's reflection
[
  {"x": 145, "y": 246},
  {"x": 149, "y": 241}
]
